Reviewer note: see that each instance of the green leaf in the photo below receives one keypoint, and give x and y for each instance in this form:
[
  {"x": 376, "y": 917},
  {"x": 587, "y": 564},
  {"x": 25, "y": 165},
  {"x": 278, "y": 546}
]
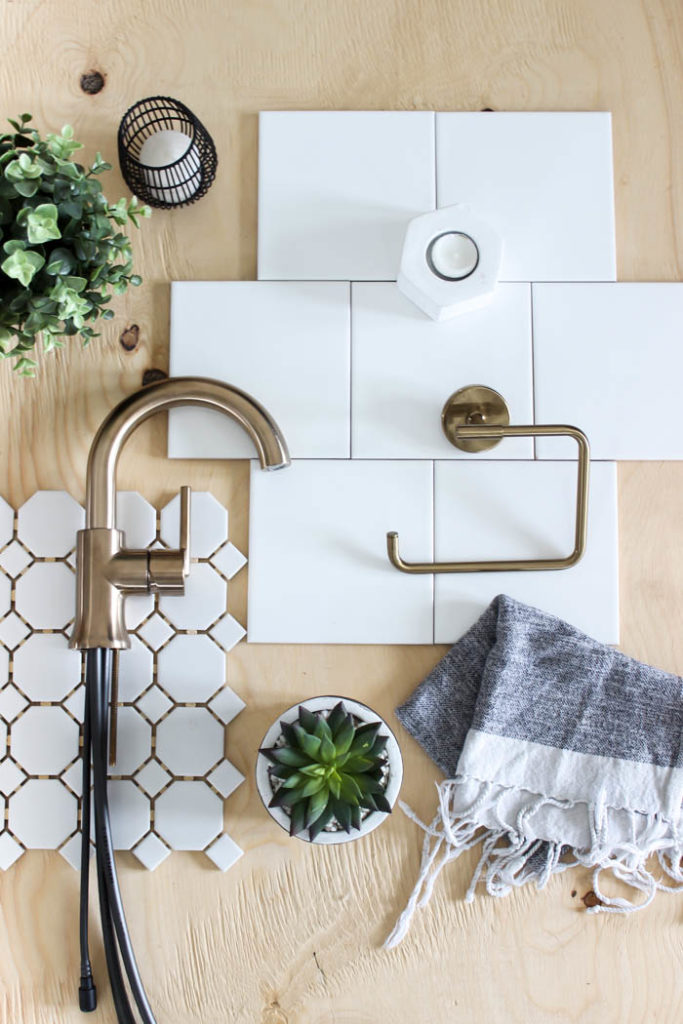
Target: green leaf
[
  {"x": 313, "y": 770},
  {"x": 42, "y": 224},
  {"x": 14, "y": 245},
  {"x": 309, "y": 744},
  {"x": 135, "y": 280},
  {"x": 349, "y": 789},
  {"x": 344, "y": 735},
  {"x": 297, "y": 819},
  {"x": 356, "y": 764},
  {"x": 22, "y": 266},
  {"x": 307, "y": 719},
  {"x": 327, "y": 750},
  {"x": 295, "y": 780},
  {"x": 313, "y": 786},
  {"x": 284, "y": 755},
  {"x": 316, "y": 806},
  {"x": 381, "y": 803},
  {"x": 342, "y": 813},
  {"x": 284, "y": 798},
  {"x": 335, "y": 718},
  {"x": 320, "y": 823},
  {"x": 322, "y": 729},
  {"x": 26, "y": 188}
]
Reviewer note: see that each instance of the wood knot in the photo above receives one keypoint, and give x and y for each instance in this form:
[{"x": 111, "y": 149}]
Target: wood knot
[
  {"x": 591, "y": 899},
  {"x": 92, "y": 82},
  {"x": 152, "y": 375},
  {"x": 130, "y": 338}
]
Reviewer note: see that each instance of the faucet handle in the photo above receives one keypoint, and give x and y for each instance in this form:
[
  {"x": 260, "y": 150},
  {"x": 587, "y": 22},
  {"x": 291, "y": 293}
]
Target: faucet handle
[
  {"x": 168, "y": 568},
  {"x": 185, "y": 523}
]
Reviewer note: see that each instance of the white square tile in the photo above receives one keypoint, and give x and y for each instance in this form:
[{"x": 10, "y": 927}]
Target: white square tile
[
  {"x": 286, "y": 343},
  {"x": 228, "y": 632},
  {"x": 6, "y": 522},
  {"x": 12, "y": 702},
  {"x": 544, "y": 181},
  {"x": 156, "y": 631},
  {"x": 224, "y": 852},
  {"x": 11, "y": 776},
  {"x": 229, "y": 560},
  {"x": 319, "y": 571},
  {"x": 10, "y": 851},
  {"x": 406, "y": 366},
  {"x": 226, "y": 778},
  {"x": 71, "y": 851},
  {"x": 227, "y": 705},
  {"x": 151, "y": 852},
  {"x": 337, "y": 189},
  {"x": 5, "y": 600},
  {"x": 492, "y": 510},
  {"x": 154, "y": 704},
  {"x": 153, "y": 777},
  {"x": 609, "y": 359},
  {"x": 14, "y": 558},
  {"x": 208, "y": 523}
]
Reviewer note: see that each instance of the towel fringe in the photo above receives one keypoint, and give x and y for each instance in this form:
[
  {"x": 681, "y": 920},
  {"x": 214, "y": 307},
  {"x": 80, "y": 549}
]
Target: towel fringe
[{"x": 510, "y": 857}]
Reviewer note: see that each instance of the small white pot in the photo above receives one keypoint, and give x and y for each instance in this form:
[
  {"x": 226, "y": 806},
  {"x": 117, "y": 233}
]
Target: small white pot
[{"x": 365, "y": 714}]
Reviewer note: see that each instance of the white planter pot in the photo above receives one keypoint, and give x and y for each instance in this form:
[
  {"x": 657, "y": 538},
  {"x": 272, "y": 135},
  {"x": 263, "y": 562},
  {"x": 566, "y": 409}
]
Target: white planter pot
[{"x": 365, "y": 714}]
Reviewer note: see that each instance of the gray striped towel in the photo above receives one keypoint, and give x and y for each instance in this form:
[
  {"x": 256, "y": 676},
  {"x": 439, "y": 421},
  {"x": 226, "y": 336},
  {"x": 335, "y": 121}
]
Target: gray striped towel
[{"x": 557, "y": 751}]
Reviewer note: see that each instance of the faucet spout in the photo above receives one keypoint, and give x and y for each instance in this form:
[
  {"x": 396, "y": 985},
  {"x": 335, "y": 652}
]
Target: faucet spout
[
  {"x": 106, "y": 570},
  {"x": 271, "y": 447}
]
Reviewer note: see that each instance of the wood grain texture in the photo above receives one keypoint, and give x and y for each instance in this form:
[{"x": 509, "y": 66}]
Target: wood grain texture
[{"x": 291, "y": 934}]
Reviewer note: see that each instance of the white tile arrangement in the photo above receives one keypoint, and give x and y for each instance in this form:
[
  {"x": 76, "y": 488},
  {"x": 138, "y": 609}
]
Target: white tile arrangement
[
  {"x": 337, "y": 189},
  {"x": 318, "y": 569},
  {"x": 171, "y": 775},
  {"x": 285, "y": 342},
  {"x": 544, "y": 181},
  {"x": 405, "y": 367},
  {"x": 610, "y": 358},
  {"x": 561, "y": 341},
  {"x": 491, "y": 510}
]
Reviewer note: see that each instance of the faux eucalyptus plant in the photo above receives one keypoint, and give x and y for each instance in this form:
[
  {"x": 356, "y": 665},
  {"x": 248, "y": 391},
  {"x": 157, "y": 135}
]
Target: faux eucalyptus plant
[
  {"x": 62, "y": 253},
  {"x": 327, "y": 769}
]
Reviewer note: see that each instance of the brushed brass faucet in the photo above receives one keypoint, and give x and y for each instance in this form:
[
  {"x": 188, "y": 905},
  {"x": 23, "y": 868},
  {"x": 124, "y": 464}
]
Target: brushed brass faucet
[{"x": 106, "y": 570}]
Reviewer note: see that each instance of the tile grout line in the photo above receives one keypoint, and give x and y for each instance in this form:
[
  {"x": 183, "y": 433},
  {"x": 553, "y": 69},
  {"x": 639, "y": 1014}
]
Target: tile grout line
[{"x": 533, "y": 364}]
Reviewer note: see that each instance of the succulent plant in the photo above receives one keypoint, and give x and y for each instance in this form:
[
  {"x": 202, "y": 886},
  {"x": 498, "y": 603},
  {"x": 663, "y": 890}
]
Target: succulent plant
[
  {"x": 326, "y": 769},
  {"x": 62, "y": 255}
]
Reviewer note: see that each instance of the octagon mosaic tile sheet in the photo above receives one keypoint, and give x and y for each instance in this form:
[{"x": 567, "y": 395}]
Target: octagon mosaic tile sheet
[{"x": 170, "y": 777}]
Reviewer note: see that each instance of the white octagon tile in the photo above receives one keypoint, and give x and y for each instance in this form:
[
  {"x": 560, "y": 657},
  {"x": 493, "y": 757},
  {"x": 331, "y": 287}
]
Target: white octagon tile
[
  {"x": 188, "y": 815},
  {"x": 48, "y": 523},
  {"x": 3, "y": 738},
  {"x": 6, "y": 522},
  {"x": 337, "y": 190},
  {"x": 136, "y": 670},
  {"x": 10, "y": 851},
  {"x": 608, "y": 358},
  {"x": 44, "y": 740},
  {"x": 137, "y": 518},
  {"x": 227, "y": 705},
  {"x": 190, "y": 741},
  {"x": 318, "y": 566},
  {"x": 42, "y": 814},
  {"x": 137, "y": 608},
  {"x": 229, "y": 560},
  {"x": 204, "y": 600},
  {"x": 405, "y": 367},
  {"x": 14, "y": 558},
  {"x": 45, "y": 669},
  {"x": 5, "y": 593},
  {"x": 11, "y": 776},
  {"x": 156, "y": 631},
  {"x": 153, "y": 777},
  {"x": 544, "y": 183},
  {"x": 133, "y": 741},
  {"x": 191, "y": 668},
  {"x": 226, "y": 778},
  {"x": 46, "y": 595},
  {"x": 228, "y": 632},
  {"x": 224, "y": 852},
  {"x": 208, "y": 523},
  {"x": 493, "y": 510},
  {"x": 11, "y": 702},
  {"x": 130, "y": 814},
  {"x": 285, "y": 341},
  {"x": 151, "y": 852}
]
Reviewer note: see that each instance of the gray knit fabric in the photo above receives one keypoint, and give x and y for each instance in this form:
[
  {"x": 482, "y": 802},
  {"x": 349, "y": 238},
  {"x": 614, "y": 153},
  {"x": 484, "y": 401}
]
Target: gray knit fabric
[{"x": 557, "y": 750}]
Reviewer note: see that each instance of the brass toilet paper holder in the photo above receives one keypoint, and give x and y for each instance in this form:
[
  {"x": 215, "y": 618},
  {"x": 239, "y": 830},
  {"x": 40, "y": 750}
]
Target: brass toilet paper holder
[{"x": 475, "y": 419}]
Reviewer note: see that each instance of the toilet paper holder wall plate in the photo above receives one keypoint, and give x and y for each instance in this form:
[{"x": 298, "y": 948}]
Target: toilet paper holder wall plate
[{"x": 475, "y": 419}]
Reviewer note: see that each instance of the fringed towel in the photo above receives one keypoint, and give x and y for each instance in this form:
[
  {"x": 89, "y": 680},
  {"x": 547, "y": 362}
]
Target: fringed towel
[{"x": 557, "y": 751}]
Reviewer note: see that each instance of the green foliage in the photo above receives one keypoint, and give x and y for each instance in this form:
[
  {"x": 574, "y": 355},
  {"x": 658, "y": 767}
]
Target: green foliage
[
  {"x": 328, "y": 768},
  {"x": 62, "y": 255}
]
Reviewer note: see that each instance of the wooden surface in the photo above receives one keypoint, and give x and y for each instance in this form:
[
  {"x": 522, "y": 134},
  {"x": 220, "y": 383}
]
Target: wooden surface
[{"x": 291, "y": 935}]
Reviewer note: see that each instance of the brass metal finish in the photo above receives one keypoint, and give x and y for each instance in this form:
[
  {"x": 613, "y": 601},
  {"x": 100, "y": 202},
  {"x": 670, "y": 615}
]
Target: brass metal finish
[
  {"x": 495, "y": 433},
  {"x": 106, "y": 570},
  {"x": 474, "y": 405}
]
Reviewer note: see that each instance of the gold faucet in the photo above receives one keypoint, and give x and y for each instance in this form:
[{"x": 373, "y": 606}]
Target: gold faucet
[{"x": 106, "y": 570}]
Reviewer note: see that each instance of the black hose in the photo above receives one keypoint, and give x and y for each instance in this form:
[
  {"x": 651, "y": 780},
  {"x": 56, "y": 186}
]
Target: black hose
[
  {"x": 87, "y": 993},
  {"x": 115, "y": 931}
]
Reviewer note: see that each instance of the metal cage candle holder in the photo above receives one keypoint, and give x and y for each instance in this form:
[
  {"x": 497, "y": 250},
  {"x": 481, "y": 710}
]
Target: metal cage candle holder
[{"x": 167, "y": 157}]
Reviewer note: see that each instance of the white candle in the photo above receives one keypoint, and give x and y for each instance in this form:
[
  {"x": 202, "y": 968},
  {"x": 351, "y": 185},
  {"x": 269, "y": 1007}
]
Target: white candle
[
  {"x": 175, "y": 154},
  {"x": 453, "y": 255}
]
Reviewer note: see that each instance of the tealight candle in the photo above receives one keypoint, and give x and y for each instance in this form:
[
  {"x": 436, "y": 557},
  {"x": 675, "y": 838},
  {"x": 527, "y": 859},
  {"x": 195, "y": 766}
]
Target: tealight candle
[
  {"x": 179, "y": 169},
  {"x": 453, "y": 255}
]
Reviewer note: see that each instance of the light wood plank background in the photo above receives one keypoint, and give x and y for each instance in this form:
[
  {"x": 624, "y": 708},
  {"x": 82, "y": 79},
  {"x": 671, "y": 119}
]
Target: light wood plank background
[{"x": 291, "y": 935}]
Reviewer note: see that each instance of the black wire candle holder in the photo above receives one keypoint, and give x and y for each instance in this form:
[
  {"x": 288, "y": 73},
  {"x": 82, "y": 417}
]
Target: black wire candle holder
[{"x": 167, "y": 157}]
